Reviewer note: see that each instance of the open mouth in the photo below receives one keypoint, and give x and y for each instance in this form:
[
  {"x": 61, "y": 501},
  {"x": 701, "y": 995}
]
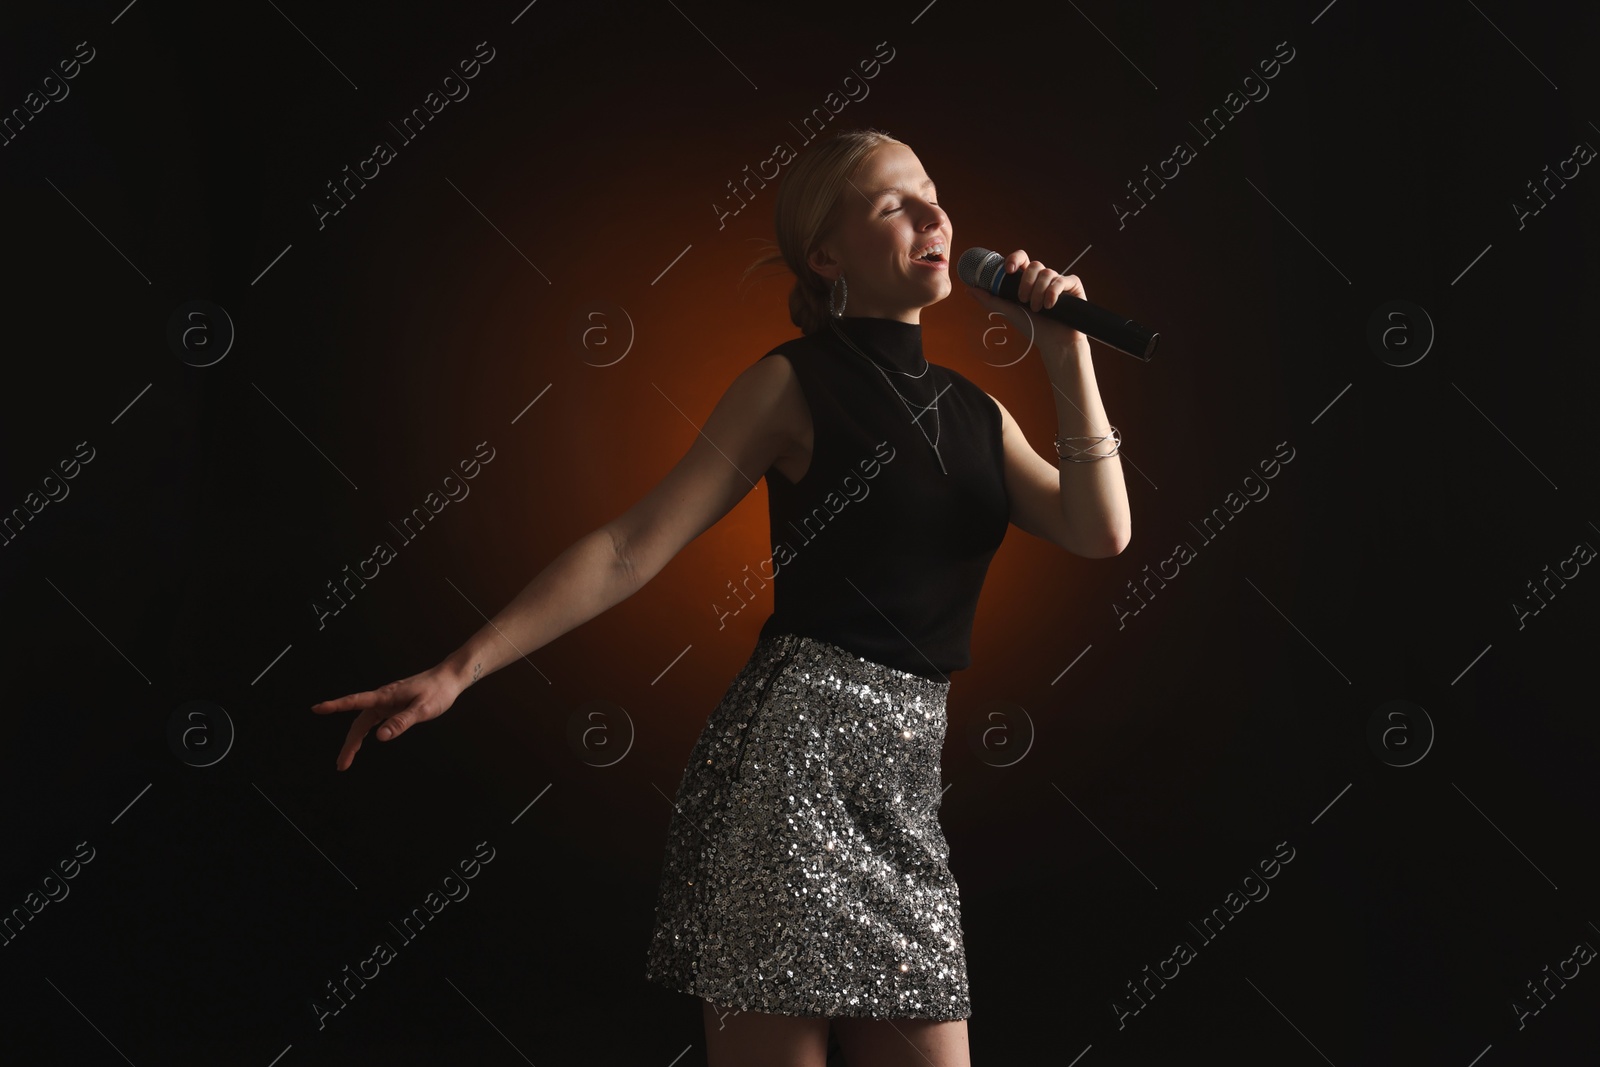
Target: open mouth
[{"x": 931, "y": 257}]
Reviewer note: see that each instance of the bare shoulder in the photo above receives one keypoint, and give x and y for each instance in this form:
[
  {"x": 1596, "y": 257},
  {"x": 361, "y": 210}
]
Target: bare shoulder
[
  {"x": 775, "y": 368},
  {"x": 774, "y": 371},
  {"x": 749, "y": 430},
  {"x": 773, "y": 376},
  {"x": 1004, "y": 414}
]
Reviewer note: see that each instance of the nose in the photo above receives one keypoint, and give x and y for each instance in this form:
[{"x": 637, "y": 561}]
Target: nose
[{"x": 931, "y": 218}]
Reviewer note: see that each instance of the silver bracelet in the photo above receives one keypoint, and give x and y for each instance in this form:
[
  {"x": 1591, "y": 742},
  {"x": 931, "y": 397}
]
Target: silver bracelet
[{"x": 1061, "y": 443}]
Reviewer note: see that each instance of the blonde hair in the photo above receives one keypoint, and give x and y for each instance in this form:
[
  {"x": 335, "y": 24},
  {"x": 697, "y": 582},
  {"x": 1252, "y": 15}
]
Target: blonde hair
[{"x": 806, "y": 212}]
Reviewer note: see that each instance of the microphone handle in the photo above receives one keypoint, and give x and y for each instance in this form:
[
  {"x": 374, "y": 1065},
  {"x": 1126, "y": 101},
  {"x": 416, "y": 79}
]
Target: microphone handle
[{"x": 1107, "y": 327}]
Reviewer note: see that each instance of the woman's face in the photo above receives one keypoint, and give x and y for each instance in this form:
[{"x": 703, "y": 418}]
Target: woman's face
[{"x": 890, "y": 215}]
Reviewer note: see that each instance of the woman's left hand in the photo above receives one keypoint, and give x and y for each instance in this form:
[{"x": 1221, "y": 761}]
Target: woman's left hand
[{"x": 1039, "y": 288}]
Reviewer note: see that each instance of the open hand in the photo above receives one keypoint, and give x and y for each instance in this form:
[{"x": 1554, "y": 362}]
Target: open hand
[
  {"x": 397, "y": 706},
  {"x": 1039, "y": 288}
]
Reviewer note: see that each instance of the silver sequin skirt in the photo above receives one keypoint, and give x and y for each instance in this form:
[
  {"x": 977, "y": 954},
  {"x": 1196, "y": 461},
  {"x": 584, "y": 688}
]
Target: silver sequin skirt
[{"x": 806, "y": 872}]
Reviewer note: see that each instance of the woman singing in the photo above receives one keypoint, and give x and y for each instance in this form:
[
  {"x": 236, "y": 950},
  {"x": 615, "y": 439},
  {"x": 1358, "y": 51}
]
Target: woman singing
[{"x": 805, "y": 886}]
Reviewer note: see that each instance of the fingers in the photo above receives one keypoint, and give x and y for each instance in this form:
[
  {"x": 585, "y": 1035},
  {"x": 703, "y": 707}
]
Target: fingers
[
  {"x": 353, "y": 702},
  {"x": 1030, "y": 290},
  {"x": 389, "y": 727},
  {"x": 1063, "y": 283},
  {"x": 1038, "y": 286},
  {"x": 1038, "y": 278},
  {"x": 357, "y": 733},
  {"x": 374, "y": 706},
  {"x": 396, "y": 725},
  {"x": 352, "y": 745}
]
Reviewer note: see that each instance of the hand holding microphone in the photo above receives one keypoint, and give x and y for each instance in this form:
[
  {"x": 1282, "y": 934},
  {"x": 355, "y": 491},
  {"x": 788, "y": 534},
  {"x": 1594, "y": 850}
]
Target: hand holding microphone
[{"x": 1043, "y": 292}]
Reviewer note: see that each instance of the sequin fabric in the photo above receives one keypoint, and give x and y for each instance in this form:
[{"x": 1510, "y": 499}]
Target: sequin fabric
[{"x": 806, "y": 872}]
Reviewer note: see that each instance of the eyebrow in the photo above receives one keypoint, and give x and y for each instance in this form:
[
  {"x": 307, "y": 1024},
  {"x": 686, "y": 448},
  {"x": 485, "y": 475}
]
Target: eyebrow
[{"x": 896, "y": 188}]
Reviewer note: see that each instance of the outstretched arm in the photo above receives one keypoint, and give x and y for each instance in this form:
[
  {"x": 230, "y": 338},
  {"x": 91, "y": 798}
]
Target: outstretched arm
[
  {"x": 743, "y": 436},
  {"x": 582, "y": 582}
]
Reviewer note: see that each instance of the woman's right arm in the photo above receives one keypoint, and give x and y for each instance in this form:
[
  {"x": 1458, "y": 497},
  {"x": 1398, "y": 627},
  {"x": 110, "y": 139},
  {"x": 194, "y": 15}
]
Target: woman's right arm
[{"x": 748, "y": 429}]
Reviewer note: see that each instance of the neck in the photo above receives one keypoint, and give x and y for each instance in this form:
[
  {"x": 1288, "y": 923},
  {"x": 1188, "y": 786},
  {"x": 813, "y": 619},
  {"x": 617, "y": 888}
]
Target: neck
[
  {"x": 885, "y": 341},
  {"x": 911, "y": 315},
  {"x": 868, "y": 301}
]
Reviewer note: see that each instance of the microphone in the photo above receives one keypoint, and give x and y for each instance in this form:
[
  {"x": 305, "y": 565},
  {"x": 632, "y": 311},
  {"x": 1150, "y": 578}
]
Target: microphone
[{"x": 986, "y": 270}]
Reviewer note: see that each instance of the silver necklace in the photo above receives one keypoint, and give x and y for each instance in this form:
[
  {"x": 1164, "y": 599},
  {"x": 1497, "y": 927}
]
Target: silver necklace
[{"x": 915, "y": 418}]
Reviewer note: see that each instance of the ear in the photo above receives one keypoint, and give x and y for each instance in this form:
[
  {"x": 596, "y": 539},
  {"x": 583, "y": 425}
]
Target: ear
[{"x": 821, "y": 260}]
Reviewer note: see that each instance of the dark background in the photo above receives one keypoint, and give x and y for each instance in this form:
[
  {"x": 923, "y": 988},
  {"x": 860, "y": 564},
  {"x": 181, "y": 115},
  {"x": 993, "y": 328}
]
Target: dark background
[{"x": 372, "y": 354}]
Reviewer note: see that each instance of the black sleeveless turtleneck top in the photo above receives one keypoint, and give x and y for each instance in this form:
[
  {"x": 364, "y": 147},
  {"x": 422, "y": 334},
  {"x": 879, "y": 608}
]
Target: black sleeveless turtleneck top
[{"x": 876, "y": 548}]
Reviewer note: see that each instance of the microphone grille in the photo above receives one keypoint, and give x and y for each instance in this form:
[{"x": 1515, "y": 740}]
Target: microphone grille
[{"x": 978, "y": 266}]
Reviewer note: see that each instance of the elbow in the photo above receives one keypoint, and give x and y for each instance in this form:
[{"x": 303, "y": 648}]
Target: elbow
[
  {"x": 621, "y": 556},
  {"x": 1119, "y": 538},
  {"x": 1109, "y": 543}
]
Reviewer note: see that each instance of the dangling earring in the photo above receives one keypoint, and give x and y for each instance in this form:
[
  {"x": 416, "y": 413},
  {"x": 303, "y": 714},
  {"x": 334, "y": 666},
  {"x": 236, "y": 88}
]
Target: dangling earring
[{"x": 838, "y": 312}]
